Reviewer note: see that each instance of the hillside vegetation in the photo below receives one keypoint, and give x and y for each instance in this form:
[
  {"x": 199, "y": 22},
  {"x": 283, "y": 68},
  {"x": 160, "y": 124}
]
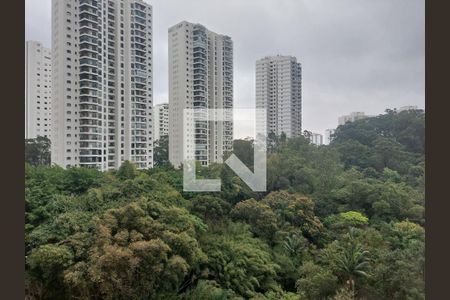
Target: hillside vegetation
[{"x": 344, "y": 221}]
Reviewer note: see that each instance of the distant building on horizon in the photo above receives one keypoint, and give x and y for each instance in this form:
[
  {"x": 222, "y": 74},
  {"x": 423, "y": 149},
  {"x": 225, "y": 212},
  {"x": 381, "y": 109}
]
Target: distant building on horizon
[
  {"x": 352, "y": 117},
  {"x": 328, "y": 136},
  {"x": 279, "y": 92},
  {"x": 407, "y": 107},
  {"x": 102, "y": 83},
  {"x": 38, "y": 90},
  {"x": 200, "y": 77},
  {"x": 161, "y": 121},
  {"x": 316, "y": 139}
]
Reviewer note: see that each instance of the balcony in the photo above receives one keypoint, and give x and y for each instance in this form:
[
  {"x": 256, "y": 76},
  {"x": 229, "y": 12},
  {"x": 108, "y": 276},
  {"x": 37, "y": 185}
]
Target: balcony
[{"x": 90, "y": 3}]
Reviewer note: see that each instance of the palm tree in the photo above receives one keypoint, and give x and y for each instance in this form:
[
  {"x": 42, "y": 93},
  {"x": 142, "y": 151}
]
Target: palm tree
[
  {"x": 353, "y": 262},
  {"x": 294, "y": 244}
]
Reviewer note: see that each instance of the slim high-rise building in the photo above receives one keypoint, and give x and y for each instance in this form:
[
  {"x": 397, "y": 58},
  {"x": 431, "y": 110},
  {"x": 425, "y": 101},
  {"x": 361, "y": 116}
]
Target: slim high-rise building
[
  {"x": 161, "y": 120},
  {"x": 102, "y": 83},
  {"x": 38, "y": 90},
  {"x": 200, "y": 77},
  {"x": 279, "y": 92}
]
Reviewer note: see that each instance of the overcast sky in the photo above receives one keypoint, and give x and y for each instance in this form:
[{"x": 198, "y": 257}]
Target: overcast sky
[{"x": 357, "y": 55}]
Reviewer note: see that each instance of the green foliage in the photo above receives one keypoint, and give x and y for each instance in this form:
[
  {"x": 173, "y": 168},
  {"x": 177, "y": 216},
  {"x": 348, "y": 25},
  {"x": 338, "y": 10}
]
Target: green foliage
[
  {"x": 343, "y": 221},
  {"x": 46, "y": 264},
  {"x": 353, "y": 218},
  {"x": 161, "y": 152},
  {"x": 294, "y": 211},
  {"x": 239, "y": 261},
  {"x": 315, "y": 281},
  {"x": 393, "y": 140},
  {"x": 398, "y": 272},
  {"x": 37, "y": 151},
  {"x": 243, "y": 149},
  {"x": 260, "y": 216},
  {"x": 127, "y": 171},
  {"x": 48, "y": 260},
  {"x": 209, "y": 208},
  {"x": 344, "y": 294},
  {"x": 208, "y": 290}
]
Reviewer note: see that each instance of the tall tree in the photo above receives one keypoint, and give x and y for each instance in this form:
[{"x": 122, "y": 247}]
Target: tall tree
[
  {"x": 161, "y": 152},
  {"x": 37, "y": 151}
]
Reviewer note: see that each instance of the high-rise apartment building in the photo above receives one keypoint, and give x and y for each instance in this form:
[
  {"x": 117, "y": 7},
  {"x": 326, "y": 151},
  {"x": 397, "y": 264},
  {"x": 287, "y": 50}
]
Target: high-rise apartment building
[
  {"x": 161, "y": 120},
  {"x": 38, "y": 90},
  {"x": 279, "y": 92},
  {"x": 102, "y": 83},
  {"x": 200, "y": 77}
]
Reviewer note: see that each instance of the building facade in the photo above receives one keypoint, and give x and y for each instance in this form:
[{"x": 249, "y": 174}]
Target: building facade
[
  {"x": 200, "y": 78},
  {"x": 329, "y": 136},
  {"x": 161, "y": 120},
  {"x": 102, "y": 83},
  {"x": 38, "y": 90},
  {"x": 316, "y": 139},
  {"x": 352, "y": 117},
  {"x": 279, "y": 92}
]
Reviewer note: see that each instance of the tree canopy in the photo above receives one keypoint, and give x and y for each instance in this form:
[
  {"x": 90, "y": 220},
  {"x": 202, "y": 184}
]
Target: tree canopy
[{"x": 344, "y": 221}]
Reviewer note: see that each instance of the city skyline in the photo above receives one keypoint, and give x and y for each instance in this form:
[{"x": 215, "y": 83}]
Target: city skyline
[{"x": 383, "y": 67}]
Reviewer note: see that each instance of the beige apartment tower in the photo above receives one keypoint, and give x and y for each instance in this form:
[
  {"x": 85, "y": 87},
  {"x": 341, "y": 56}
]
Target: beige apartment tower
[
  {"x": 200, "y": 77},
  {"x": 279, "y": 93},
  {"x": 102, "y": 83}
]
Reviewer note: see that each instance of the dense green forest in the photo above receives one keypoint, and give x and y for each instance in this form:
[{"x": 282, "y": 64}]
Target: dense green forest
[{"x": 344, "y": 221}]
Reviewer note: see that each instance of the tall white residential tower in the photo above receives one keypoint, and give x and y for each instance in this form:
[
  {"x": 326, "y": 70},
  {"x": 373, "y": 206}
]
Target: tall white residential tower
[
  {"x": 279, "y": 92},
  {"x": 161, "y": 120},
  {"x": 38, "y": 90},
  {"x": 200, "y": 77},
  {"x": 102, "y": 83}
]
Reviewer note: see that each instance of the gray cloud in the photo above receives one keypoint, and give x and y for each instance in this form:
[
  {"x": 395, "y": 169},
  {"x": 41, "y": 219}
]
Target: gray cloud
[{"x": 357, "y": 55}]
